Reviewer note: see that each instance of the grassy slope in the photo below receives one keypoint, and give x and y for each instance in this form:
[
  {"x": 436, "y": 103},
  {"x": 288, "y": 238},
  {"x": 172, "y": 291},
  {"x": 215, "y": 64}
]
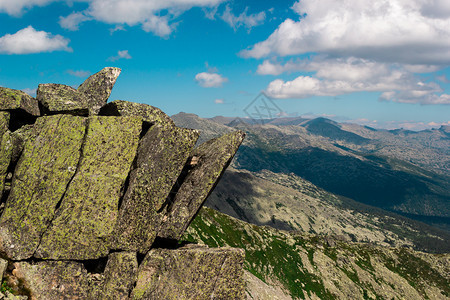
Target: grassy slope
[{"x": 309, "y": 265}]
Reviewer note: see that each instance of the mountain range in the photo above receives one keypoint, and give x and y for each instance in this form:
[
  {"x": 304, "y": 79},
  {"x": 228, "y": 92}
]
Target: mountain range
[{"x": 389, "y": 187}]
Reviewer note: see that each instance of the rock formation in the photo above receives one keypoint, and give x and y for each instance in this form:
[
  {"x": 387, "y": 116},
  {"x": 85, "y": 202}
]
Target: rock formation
[{"x": 95, "y": 197}]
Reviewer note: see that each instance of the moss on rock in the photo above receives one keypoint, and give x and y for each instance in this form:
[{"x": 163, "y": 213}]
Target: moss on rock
[
  {"x": 47, "y": 164},
  {"x": 120, "y": 275},
  {"x": 57, "y": 98},
  {"x": 191, "y": 272},
  {"x": 162, "y": 153},
  {"x": 212, "y": 158},
  {"x": 55, "y": 280},
  {"x": 149, "y": 113},
  {"x": 82, "y": 226},
  {"x": 13, "y": 99}
]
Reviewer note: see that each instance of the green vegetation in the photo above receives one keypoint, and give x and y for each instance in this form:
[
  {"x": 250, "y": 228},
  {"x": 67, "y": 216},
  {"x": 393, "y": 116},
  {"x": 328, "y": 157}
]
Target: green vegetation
[{"x": 301, "y": 263}]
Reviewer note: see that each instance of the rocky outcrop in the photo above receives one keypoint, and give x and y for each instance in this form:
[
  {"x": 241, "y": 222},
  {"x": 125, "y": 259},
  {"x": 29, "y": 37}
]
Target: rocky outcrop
[
  {"x": 96, "y": 196},
  {"x": 18, "y": 100},
  {"x": 186, "y": 273},
  {"x": 90, "y": 96}
]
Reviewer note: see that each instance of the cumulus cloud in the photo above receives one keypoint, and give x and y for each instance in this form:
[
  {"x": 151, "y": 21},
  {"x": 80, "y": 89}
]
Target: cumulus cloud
[
  {"x": 79, "y": 73},
  {"x": 244, "y": 19},
  {"x": 136, "y": 12},
  {"x": 341, "y": 76},
  {"x": 386, "y": 31},
  {"x": 29, "y": 40},
  {"x": 123, "y": 54},
  {"x": 72, "y": 22},
  {"x": 17, "y": 7},
  {"x": 208, "y": 80},
  {"x": 219, "y": 101}
]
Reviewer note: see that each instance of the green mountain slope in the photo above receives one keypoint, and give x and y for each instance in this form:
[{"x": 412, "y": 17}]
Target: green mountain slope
[{"x": 312, "y": 267}]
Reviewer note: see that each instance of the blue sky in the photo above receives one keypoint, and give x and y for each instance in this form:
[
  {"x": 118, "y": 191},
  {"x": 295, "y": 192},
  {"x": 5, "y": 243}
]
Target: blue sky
[{"x": 379, "y": 63}]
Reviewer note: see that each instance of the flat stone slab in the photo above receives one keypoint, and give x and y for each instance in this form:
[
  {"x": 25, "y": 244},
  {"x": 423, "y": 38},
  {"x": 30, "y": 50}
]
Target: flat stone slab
[
  {"x": 60, "y": 98},
  {"x": 120, "y": 275},
  {"x": 149, "y": 113},
  {"x": 48, "y": 162},
  {"x": 191, "y": 272},
  {"x": 84, "y": 223},
  {"x": 56, "y": 280},
  {"x": 162, "y": 153},
  {"x": 98, "y": 87},
  {"x": 14, "y": 99},
  {"x": 208, "y": 163},
  {"x": 90, "y": 96}
]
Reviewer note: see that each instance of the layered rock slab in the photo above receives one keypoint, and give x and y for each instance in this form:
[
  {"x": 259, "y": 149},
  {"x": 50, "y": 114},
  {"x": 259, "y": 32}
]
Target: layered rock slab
[
  {"x": 162, "y": 153},
  {"x": 46, "y": 166},
  {"x": 191, "y": 272},
  {"x": 17, "y": 100},
  {"x": 90, "y": 96},
  {"x": 83, "y": 225},
  {"x": 208, "y": 163},
  {"x": 98, "y": 87},
  {"x": 56, "y": 280},
  {"x": 60, "y": 98},
  {"x": 119, "y": 276},
  {"x": 150, "y": 114}
]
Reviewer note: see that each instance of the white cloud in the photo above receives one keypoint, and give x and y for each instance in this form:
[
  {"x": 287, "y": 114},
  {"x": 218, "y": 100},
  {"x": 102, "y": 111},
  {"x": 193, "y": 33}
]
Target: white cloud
[
  {"x": 79, "y": 73},
  {"x": 342, "y": 76},
  {"x": 144, "y": 13},
  {"x": 243, "y": 19},
  {"x": 383, "y": 30},
  {"x": 17, "y": 7},
  {"x": 28, "y": 40},
  {"x": 158, "y": 25},
  {"x": 73, "y": 21},
  {"x": 209, "y": 80},
  {"x": 219, "y": 101},
  {"x": 120, "y": 54},
  {"x": 405, "y": 124}
]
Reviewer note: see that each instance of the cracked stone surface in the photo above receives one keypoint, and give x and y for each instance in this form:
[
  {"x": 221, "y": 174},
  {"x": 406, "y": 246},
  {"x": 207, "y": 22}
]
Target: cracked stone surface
[
  {"x": 211, "y": 159},
  {"x": 84, "y": 223},
  {"x": 46, "y": 166},
  {"x": 162, "y": 153}
]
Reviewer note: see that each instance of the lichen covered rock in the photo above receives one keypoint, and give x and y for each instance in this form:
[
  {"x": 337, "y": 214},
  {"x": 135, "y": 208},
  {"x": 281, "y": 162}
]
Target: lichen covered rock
[
  {"x": 98, "y": 87},
  {"x": 191, "y": 272},
  {"x": 60, "y": 98},
  {"x": 120, "y": 275},
  {"x": 4, "y": 121},
  {"x": 13, "y": 100},
  {"x": 149, "y": 113},
  {"x": 83, "y": 224},
  {"x": 88, "y": 187},
  {"x": 6, "y": 150},
  {"x": 162, "y": 153},
  {"x": 55, "y": 280},
  {"x": 46, "y": 166},
  {"x": 208, "y": 163}
]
